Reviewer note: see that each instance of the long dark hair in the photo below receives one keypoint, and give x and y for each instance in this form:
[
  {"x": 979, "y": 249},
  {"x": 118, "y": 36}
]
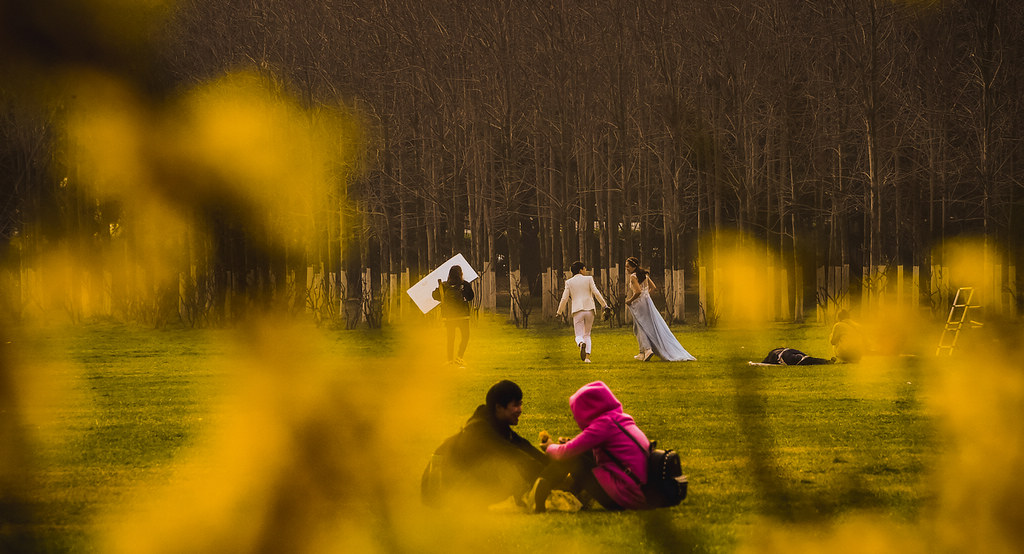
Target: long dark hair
[
  {"x": 455, "y": 275},
  {"x": 641, "y": 273}
]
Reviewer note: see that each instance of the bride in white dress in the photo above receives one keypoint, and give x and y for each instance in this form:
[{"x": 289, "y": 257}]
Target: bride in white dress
[{"x": 652, "y": 333}]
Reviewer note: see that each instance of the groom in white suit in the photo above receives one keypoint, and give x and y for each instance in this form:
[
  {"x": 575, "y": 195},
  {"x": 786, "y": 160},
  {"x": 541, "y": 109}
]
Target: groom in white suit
[{"x": 580, "y": 288}]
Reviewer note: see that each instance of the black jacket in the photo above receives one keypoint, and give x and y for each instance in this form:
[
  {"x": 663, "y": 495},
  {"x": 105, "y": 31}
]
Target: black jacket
[
  {"x": 455, "y": 301},
  {"x": 483, "y": 435},
  {"x": 792, "y": 356},
  {"x": 486, "y": 457}
]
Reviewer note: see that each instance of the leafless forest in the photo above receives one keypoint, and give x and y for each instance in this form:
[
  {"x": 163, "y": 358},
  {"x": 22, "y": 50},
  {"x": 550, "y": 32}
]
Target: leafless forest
[{"x": 529, "y": 134}]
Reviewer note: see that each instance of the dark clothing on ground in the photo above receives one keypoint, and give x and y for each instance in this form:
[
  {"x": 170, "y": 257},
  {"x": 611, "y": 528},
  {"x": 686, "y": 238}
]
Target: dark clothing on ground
[
  {"x": 792, "y": 356},
  {"x": 486, "y": 460}
]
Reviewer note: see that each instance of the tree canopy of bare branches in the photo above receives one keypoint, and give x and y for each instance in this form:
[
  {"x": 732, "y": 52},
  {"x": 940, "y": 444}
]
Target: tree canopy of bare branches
[{"x": 528, "y": 134}]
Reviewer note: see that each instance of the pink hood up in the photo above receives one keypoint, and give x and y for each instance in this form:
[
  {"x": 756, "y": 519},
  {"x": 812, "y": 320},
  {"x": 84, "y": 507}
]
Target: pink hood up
[
  {"x": 597, "y": 411},
  {"x": 592, "y": 401}
]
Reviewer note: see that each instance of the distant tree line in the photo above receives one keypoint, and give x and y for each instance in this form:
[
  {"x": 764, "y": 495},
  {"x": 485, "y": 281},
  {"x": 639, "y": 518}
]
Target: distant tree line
[{"x": 530, "y": 134}]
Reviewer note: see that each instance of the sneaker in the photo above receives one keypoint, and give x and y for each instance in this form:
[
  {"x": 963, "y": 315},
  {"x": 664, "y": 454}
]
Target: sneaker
[{"x": 583, "y": 351}]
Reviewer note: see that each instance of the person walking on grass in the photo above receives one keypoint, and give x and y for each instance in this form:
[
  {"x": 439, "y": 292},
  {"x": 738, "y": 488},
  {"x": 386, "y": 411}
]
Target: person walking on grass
[
  {"x": 580, "y": 292},
  {"x": 455, "y": 296},
  {"x": 652, "y": 333}
]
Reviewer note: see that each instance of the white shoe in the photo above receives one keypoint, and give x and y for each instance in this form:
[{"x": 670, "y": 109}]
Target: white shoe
[{"x": 587, "y": 361}]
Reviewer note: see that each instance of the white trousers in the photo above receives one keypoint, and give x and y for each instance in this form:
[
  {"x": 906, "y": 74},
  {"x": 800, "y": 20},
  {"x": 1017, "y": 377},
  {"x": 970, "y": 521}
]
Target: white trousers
[{"x": 582, "y": 322}]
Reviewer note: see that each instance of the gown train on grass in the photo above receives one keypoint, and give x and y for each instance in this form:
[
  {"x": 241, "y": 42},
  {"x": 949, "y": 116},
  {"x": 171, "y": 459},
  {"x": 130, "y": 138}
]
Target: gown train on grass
[{"x": 653, "y": 333}]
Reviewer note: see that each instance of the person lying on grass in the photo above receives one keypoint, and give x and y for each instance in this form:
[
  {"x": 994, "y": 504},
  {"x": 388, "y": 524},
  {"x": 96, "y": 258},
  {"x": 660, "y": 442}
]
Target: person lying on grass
[
  {"x": 599, "y": 457},
  {"x": 791, "y": 356}
]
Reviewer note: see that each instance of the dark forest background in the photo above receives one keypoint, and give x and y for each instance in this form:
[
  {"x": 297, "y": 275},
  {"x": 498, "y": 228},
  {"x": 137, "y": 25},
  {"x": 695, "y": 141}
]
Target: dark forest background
[{"x": 529, "y": 134}]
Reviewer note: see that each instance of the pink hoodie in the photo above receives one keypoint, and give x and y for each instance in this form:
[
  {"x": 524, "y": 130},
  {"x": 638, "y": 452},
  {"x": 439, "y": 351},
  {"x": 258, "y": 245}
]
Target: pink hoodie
[{"x": 595, "y": 409}]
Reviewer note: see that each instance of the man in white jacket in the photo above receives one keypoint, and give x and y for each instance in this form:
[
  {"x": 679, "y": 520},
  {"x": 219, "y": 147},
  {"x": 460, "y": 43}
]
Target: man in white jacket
[{"x": 582, "y": 291}]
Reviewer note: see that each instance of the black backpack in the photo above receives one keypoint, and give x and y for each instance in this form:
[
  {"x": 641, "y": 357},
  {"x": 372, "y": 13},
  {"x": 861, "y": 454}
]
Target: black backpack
[{"x": 666, "y": 484}]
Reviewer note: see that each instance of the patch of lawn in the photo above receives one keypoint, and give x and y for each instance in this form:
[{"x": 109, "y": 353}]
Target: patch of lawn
[{"x": 798, "y": 444}]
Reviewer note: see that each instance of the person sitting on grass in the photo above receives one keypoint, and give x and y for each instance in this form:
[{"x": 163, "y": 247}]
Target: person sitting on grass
[
  {"x": 847, "y": 338},
  {"x": 486, "y": 462},
  {"x": 599, "y": 457}
]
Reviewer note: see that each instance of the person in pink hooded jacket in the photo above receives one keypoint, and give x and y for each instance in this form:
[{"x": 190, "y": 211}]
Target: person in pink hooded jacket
[{"x": 595, "y": 458}]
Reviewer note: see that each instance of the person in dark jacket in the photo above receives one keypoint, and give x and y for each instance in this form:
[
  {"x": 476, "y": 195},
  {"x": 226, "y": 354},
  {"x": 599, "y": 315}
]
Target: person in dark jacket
[
  {"x": 455, "y": 296},
  {"x": 792, "y": 356},
  {"x": 485, "y": 462}
]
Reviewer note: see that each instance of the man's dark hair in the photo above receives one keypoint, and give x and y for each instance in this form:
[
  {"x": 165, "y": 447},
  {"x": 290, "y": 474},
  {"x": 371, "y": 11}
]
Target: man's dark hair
[
  {"x": 577, "y": 267},
  {"x": 502, "y": 393}
]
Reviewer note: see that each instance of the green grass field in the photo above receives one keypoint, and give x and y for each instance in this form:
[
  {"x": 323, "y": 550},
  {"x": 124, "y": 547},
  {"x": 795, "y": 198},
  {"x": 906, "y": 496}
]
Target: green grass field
[{"x": 116, "y": 417}]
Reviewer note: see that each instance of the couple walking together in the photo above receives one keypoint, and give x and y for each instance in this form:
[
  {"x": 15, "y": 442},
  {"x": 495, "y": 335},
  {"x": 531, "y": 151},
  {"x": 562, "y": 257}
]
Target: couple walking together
[{"x": 652, "y": 333}]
